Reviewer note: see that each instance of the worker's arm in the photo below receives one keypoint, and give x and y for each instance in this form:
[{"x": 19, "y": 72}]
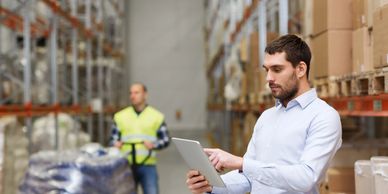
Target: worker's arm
[
  {"x": 324, "y": 138},
  {"x": 163, "y": 138}
]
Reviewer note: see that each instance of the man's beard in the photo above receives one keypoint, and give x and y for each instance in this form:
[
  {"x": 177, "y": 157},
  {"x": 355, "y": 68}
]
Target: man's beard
[{"x": 289, "y": 91}]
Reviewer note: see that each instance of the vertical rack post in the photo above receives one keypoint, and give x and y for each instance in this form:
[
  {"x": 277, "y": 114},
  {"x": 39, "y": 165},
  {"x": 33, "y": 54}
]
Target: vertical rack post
[
  {"x": 262, "y": 29},
  {"x": 100, "y": 77},
  {"x": 283, "y": 17},
  {"x": 89, "y": 67},
  {"x": 54, "y": 72},
  {"x": 74, "y": 69},
  {"x": 27, "y": 71}
]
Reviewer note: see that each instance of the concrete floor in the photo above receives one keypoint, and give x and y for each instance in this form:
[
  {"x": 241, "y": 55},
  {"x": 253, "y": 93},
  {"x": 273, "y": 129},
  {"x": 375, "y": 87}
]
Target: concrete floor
[{"x": 171, "y": 167}]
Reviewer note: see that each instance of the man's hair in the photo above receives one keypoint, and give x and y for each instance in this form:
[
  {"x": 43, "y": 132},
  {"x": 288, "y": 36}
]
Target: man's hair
[
  {"x": 142, "y": 85},
  {"x": 295, "y": 48}
]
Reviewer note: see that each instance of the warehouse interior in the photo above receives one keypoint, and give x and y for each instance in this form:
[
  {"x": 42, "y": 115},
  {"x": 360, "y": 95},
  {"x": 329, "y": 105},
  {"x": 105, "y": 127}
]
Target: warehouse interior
[{"x": 66, "y": 67}]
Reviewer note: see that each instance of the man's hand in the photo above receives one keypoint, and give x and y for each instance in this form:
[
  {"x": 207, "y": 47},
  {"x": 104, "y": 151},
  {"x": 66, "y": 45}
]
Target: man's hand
[
  {"x": 148, "y": 144},
  {"x": 221, "y": 159},
  {"x": 197, "y": 182},
  {"x": 118, "y": 144}
]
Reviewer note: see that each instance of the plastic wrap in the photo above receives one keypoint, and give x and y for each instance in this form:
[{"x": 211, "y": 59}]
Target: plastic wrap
[
  {"x": 363, "y": 177},
  {"x": 70, "y": 134},
  {"x": 380, "y": 173},
  {"x": 78, "y": 172},
  {"x": 13, "y": 154}
]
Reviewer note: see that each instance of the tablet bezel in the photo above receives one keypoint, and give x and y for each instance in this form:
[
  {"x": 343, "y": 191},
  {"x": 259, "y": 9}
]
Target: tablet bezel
[{"x": 195, "y": 157}]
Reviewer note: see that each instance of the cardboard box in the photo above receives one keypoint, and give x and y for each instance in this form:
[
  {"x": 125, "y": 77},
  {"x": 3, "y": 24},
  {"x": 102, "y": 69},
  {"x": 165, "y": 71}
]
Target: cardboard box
[
  {"x": 346, "y": 157},
  {"x": 332, "y": 15},
  {"x": 362, "y": 50},
  {"x": 382, "y": 3},
  {"x": 332, "y": 53},
  {"x": 380, "y": 38},
  {"x": 341, "y": 180},
  {"x": 360, "y": 13}
]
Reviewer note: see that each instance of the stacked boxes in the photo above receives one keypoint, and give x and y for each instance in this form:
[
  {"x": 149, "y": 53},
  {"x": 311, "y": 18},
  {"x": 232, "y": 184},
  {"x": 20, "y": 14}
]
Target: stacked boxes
[
  {"x": 332, "y": 37},
  {"x": 380, "y": 31},
  {"x": 362, "y": 50}
]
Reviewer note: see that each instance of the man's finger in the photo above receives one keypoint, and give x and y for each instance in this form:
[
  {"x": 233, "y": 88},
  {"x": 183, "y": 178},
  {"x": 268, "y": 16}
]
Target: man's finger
[
  {"x": 192, "y": 173},
  {"x": 212, "y": 156},
  {"x": 215, "y": 161},
  {"x": 195, "y": 180},
  {"x": 208, "y": 151},
  {"x": 219, "y": 167}
]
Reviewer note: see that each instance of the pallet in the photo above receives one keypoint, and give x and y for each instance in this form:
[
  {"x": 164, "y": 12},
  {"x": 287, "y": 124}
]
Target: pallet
[
  {"x": 363, "y": 84},
  {"x": 327, "y": 87},
  {"x": 355, "y": 84},
  {"x": 379, "y": 82},
  {"x": 371, "y": 83}
]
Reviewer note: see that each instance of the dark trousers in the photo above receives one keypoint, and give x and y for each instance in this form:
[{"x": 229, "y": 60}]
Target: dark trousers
[{"x": 147, "y": 177}]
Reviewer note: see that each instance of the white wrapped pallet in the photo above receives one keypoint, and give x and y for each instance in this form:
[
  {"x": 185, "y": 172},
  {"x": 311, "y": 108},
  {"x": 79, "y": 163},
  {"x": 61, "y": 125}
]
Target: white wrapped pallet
[
  {"x": 13, "y": 154},
  {"x": 363, "y": 177},
  {"x": 70, "y": 134},
  {"x": 76, "y": 172},
  {"x": 380, "y": 173}
]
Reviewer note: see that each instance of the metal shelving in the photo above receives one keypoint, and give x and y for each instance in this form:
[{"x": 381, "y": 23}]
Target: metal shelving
[{"x": 76, "y": 47}]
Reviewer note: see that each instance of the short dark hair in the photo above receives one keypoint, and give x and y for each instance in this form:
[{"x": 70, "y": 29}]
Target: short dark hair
[
  {"x": 142, "y": 85},
  {"x": 295, "y": 48}
]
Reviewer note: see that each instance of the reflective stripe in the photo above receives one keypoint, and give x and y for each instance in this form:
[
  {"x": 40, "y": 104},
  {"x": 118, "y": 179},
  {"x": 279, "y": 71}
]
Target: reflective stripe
[
  {"x": 136, "y": 128},
  {"x": 137, "y": 137}
]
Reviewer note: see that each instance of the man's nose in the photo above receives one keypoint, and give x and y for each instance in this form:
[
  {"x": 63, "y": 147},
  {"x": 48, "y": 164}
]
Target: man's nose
[{"x": 269, "y": 76}]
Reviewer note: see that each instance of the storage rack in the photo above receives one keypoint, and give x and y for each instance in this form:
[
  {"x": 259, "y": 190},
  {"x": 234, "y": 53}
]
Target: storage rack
[
  {"x": 266, "y": 16},
  {"x": 71, "y": 24}
]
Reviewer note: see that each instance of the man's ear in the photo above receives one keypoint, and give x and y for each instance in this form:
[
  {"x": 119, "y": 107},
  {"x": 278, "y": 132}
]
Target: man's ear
[{"x": 301, "y": 69}]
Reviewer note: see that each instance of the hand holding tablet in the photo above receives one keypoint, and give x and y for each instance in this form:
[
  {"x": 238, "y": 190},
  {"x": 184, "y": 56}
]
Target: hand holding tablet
[{"x": 195, "y": 157}]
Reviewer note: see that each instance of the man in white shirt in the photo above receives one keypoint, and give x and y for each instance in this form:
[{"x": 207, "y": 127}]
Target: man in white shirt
[{"x": 292, "y": 143}]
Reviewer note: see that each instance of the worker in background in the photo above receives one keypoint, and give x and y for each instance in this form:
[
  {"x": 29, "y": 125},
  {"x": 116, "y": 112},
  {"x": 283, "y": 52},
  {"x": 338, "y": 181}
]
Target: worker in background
[
  {"x": 292, "y": 143},
  {"x": 139, "y": 131}
]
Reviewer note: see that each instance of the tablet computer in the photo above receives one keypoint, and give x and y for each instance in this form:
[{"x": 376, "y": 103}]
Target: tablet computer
[{"x": 193, "y": 154}]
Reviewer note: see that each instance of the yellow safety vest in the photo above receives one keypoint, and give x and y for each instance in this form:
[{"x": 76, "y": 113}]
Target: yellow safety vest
[{"x": 136, "y": 128}]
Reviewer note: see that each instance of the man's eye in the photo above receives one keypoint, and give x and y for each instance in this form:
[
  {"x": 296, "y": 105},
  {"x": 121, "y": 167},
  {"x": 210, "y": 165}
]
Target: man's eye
[{"x": 277, "y": 70}]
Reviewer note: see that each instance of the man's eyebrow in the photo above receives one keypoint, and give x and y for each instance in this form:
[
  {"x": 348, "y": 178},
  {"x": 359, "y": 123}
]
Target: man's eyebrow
[{"x": 272, "y": 66}]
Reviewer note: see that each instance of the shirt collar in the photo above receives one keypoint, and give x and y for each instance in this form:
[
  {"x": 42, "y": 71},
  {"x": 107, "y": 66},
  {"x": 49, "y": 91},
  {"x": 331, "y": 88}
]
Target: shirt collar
[{"x": 303, "y": 100}]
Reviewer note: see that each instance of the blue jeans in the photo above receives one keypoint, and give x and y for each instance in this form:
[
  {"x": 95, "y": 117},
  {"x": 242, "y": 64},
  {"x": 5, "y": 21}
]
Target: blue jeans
[{"x": 147, "y": 176}]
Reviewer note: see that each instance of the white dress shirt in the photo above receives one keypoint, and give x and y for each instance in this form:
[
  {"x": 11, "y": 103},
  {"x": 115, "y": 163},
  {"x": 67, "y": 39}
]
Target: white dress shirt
[{"x": 290, "y": 149}]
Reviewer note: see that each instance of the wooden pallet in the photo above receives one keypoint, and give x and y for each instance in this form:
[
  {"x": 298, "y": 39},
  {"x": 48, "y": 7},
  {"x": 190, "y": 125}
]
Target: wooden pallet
[
  {"x": 355, "y": 84},
  {"x": 322, "y": 87},
  {"x": 327, "y": 87},
  {"x": 345, "y": 82},
  {"x": 379, "y": 82},
  {"x": 363, "y": 84}
]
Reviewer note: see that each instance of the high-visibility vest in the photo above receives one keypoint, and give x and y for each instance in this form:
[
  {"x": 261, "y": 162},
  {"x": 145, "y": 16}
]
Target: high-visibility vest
[{"x": 136, "y": 128}]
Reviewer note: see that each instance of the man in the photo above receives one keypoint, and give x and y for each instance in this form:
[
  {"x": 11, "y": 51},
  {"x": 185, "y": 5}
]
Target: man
[
  {"x": 139, "y": 131},
  {"x": 292, "y": 142}
]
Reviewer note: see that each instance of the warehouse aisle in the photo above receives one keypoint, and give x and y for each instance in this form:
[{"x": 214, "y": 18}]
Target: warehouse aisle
[{"x": 171, "y": 167}]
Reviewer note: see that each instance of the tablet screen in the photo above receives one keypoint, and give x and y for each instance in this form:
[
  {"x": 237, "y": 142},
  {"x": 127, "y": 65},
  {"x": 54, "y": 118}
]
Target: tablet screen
[{"x": 193, "y": 154}]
